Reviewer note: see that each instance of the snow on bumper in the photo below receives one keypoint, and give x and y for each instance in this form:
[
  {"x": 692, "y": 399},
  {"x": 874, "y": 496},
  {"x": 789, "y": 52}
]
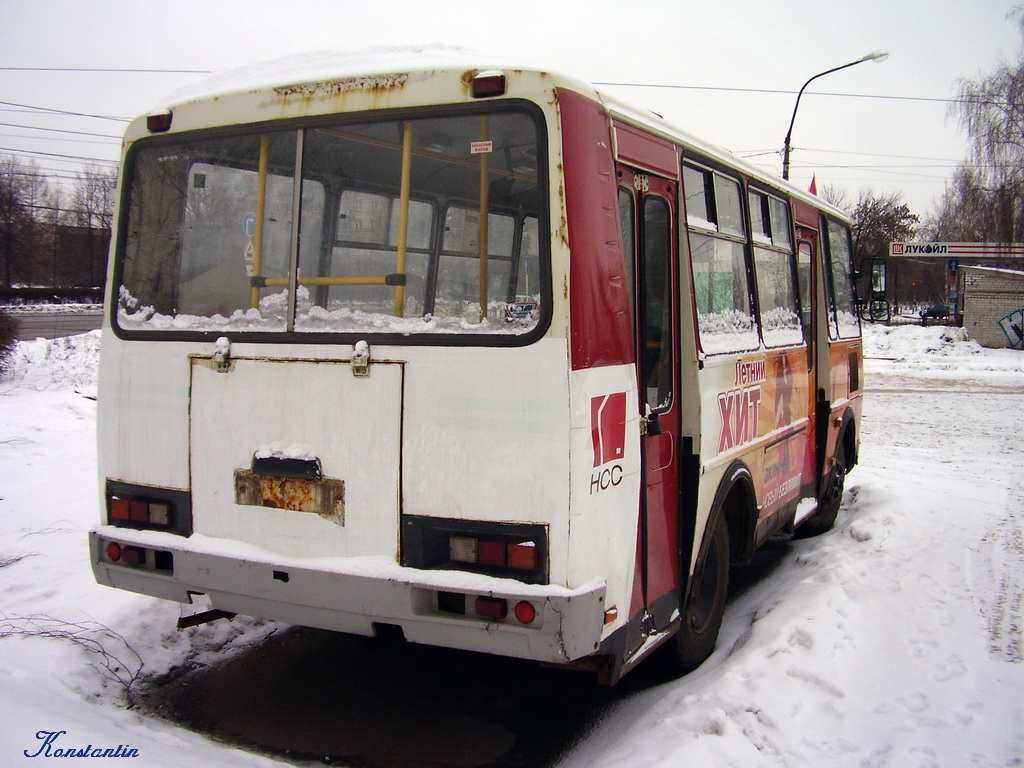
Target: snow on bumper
[{"x": 352, "y": 594}]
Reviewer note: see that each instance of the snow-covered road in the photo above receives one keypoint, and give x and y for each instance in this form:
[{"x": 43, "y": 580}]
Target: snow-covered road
[{"x": 894, "y": 640}]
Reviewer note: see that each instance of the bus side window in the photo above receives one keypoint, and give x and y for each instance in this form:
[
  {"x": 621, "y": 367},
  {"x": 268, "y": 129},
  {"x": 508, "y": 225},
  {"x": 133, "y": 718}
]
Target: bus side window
[
  {"x": 775, "y": 270},
  {"x": 657, "y": 302},
  {"x": 803, "y": 265},
  {"x": 844, "y": 322},
  {"x": 721, "y": 280}
]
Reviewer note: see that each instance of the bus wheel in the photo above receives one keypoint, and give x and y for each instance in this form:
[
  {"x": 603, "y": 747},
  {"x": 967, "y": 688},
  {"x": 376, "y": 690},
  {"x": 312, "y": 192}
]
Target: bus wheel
[
  {"x": 705, "y": 604},
  {"x": 828, "y": 505}
]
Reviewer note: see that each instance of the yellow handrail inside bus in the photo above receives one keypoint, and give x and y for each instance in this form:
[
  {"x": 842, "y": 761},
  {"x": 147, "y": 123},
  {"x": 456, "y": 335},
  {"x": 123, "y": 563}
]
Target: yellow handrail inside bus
[
  {"x": 485, "y": 188},
  {"x": 261, "y": 204},
  {"x": 271, "y": 282},
  {"x": 403, "y": 215}
]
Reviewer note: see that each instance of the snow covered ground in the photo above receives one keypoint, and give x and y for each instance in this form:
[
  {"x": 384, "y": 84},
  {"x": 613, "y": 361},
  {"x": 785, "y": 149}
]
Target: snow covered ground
[{"x": 895, "y": 640}]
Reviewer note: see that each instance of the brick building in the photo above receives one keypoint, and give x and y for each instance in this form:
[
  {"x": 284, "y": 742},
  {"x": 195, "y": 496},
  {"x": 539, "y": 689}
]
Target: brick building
[{"x": 989, "y": 295}]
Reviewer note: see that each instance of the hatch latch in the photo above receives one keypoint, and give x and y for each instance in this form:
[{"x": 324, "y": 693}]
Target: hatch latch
[
  {"x": 361, "y": 359},
  {"x": 222, "y": 355}
]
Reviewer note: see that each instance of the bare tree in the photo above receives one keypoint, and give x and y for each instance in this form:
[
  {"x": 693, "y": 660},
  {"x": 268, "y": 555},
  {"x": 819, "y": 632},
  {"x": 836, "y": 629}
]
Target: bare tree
[
  {"x": 93, "y": 197},
  {"x": 988, "y": 201},
  {"x": 92, "y": 212},
  {"x": 835, "y": 196},
  {"x": 879, "y": 220},
  {"x": 16, "y": 220}
]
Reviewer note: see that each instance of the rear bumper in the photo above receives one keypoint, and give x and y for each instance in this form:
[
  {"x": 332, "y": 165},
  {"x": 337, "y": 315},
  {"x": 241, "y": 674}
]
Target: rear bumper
[{"x": 352, "y": 594}]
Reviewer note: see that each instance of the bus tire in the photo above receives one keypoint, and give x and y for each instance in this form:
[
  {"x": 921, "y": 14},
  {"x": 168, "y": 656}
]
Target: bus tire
[
  {"x": 824, "y": 519},
  {"x": 705, "y": 601}
]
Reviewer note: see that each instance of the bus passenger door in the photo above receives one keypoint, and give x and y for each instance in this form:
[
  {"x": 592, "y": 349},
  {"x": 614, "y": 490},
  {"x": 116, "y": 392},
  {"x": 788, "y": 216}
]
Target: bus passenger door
[{"x": 647, "y": 206}]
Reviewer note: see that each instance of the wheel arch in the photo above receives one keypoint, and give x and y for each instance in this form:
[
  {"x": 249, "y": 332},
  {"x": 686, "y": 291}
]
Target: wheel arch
[
  {"x": 735, "y": 499},
  {"x": 848, "y": 438}
]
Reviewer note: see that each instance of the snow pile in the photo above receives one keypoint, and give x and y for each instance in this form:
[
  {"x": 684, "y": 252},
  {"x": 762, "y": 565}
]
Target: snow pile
[
  {"x": 939, "y": 353},
  {"x": 64, "y": 363}
]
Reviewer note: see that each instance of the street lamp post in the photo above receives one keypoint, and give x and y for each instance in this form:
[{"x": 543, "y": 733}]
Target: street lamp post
[{"x": 878, "y": 56}]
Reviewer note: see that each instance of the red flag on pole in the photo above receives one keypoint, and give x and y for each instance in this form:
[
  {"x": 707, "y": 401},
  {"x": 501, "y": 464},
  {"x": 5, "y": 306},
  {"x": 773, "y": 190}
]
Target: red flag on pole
[{"x": 813, "y": 189}]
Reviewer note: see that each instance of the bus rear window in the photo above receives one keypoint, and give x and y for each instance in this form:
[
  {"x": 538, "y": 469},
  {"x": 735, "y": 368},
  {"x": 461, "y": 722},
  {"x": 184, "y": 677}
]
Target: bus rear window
[{"x": 400, "y": 227}]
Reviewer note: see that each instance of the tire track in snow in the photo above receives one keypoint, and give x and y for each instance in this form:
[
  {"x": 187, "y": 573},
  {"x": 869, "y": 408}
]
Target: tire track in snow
[{"x": 1002, "y": 549}]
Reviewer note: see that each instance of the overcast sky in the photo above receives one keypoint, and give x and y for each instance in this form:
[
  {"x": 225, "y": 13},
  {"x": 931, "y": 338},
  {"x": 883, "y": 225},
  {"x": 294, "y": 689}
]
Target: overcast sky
[{"x": 889, "y": 131}]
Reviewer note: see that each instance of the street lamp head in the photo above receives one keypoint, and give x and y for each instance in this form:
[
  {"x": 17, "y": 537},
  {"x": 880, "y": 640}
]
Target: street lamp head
[{"x": 873, "y": 56}]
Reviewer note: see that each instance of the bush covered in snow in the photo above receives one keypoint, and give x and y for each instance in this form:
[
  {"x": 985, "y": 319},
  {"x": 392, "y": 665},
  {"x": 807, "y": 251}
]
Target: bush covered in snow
[{"x": 8, "y": 338}]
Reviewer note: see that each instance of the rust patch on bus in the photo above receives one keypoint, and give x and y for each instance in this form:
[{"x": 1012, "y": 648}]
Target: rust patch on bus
[
  {"x": 324, "y": 497},
  {"x": 329, "y": 88}
]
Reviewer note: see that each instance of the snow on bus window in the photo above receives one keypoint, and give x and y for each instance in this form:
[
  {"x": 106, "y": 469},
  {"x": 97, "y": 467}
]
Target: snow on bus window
[
  {"x": 722, "y": 293},
  {"x": 721, "y": 280},
  {"x": 777, "y": 298},
  {"x": 386, "y": 236},
  {"x": 777, "y": 292}
]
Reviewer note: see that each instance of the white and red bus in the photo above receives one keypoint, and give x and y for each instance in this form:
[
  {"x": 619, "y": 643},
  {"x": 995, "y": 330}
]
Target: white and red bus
[{"x": 466, "y": 350}]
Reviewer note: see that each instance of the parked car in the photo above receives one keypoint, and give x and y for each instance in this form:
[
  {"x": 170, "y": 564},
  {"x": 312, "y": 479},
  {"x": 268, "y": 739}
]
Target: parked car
[{"x": 938, "y": 312}]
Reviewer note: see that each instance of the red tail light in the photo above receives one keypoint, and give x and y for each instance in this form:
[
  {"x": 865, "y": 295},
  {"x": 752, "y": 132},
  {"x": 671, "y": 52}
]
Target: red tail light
[
  {"x": 133, "y": 555},
  {"x": 489, "y": 83},
  {"x": 159, "y": 122},
  {"x": 139, "y": 506},
  {"x": 139, "y": 511},
  {"x": 525, "y": 612},
  {"x": 491, "y": 607},
  {"x": 130, "y": 555},
  {"x": 492, "y": 553},
  {"x": 150, "y": 559},
  {"x": 120, "y": 509}
]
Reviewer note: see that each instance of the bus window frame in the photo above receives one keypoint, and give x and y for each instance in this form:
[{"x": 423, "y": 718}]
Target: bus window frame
[
  {"x": 834, "y": 333},
  {"x": 499, "y": 106},
  {"x": 712, "y": 229},
  {"x": 788, "y": 249}
]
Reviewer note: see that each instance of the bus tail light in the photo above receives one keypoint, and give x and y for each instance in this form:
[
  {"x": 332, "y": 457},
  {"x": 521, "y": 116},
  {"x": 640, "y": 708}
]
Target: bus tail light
[
  {"x": 126, "y": 554},
  {"x": 520, "y": 556},
  {"x": 492, "y": 607},
  {"x": 489, "y": 83},
  {"x": 487, "y": 607},
  {"x": 506, "y": 550},
  {"x": 143, "y": 507},
  {"x": 155, "y": 513},
  {"x": 159, "y": 122},
  {"x": 525, "y": 612}
]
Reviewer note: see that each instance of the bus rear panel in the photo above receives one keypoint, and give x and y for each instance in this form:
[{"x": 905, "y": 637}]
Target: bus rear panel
[{"x": 468, "y": 351}]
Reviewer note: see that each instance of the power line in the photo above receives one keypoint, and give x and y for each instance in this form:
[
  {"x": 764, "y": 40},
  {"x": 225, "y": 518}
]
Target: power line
[
  {"x": 764, "y": 152},
  {"x": 60, "y": 130},
  {"x": 54, "y": 138},
  {"x": 58, "y": 156},
  {"x": 65, "y": 112},
  {"x": 784, "y": 92},
  {"x": 106, "y": 69}
]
